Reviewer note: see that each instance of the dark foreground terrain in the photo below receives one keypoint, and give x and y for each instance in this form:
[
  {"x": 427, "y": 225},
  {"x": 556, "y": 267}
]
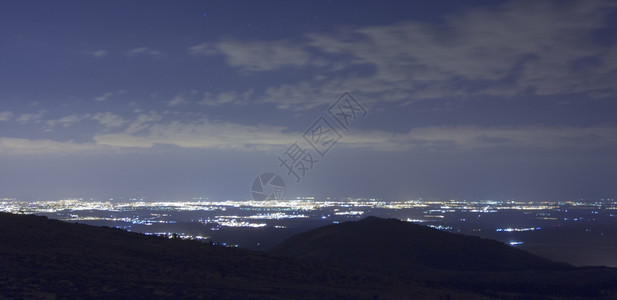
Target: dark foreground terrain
[{"x": 369, "y": 259}]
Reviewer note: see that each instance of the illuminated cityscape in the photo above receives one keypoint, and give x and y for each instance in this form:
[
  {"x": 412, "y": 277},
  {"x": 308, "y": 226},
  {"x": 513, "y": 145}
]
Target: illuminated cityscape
[{"x": 259, "y": 224}]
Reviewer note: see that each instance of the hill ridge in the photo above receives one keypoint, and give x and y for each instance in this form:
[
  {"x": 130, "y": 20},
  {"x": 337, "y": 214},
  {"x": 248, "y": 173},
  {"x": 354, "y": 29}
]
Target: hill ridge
[
  {"x": 49, "y": 259},
  {"x": 397, "y": 246}
]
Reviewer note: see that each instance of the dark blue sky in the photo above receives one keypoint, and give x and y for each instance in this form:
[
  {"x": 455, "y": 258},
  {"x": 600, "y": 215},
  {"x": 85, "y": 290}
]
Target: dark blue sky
[{"x": 170, "y": 100}]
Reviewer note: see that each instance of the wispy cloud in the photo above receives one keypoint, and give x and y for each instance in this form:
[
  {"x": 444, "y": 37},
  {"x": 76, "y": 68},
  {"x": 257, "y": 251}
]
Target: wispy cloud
[
  {"x": 66, "y": 121},
  {"x": 258, "y": 55},
  {"x": 31, "y": 117},
  {"x": 177, "y": 100},
  {"x": 20, "y": 146},
  {"x": 208, "y": 134},
  {"x": 98, "y": 53},
  {"x": 454, "y": 138},
  {"x": 104, "y": 97},
  {"x": 143, "y": 51},
  {"x": 203, "y": 49},
  {"x": 228, "y": 97},
  {"x": 107, "y": 95},
  {"x": 109, "y": 120},
  {"x": 143, "y": 121},
  {"x": 6, "y": 116},
  {"x": 203, "y": 134},
  {"x": 150, "y": 129},
  {"x": 520, "y": 47}
]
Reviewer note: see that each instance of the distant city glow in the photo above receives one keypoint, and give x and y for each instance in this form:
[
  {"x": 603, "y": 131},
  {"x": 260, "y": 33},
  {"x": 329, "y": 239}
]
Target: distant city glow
[{"x": 133, "y": 215}]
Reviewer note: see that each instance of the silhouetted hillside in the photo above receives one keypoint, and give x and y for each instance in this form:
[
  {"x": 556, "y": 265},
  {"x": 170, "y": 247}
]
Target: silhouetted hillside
[
  {"x": 445, "y": 260},
  {"x": 393, "y": 246},
  {"x": 41, "y": 257},
  {"x": 50, "y": 259}
]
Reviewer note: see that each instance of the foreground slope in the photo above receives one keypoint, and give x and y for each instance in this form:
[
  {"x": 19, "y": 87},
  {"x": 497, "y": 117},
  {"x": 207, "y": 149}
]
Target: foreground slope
[{"x": 50, "y": 259}]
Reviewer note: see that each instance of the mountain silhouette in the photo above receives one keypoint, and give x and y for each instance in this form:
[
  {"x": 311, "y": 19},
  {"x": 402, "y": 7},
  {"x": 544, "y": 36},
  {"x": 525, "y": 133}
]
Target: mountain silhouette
[
  {"x": 50, "y": 259},
  {"x": 43, "y": 258},
  {"x": 403, "y": 248}
]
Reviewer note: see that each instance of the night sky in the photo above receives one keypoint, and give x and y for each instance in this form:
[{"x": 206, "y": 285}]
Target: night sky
[{"x": 171, "y": 100}]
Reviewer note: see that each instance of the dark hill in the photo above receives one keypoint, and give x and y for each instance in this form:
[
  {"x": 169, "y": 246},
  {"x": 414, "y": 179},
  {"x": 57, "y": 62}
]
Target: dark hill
[
  {"x": 50, "y": 259},
  {"x": 403, "y": 248}
]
